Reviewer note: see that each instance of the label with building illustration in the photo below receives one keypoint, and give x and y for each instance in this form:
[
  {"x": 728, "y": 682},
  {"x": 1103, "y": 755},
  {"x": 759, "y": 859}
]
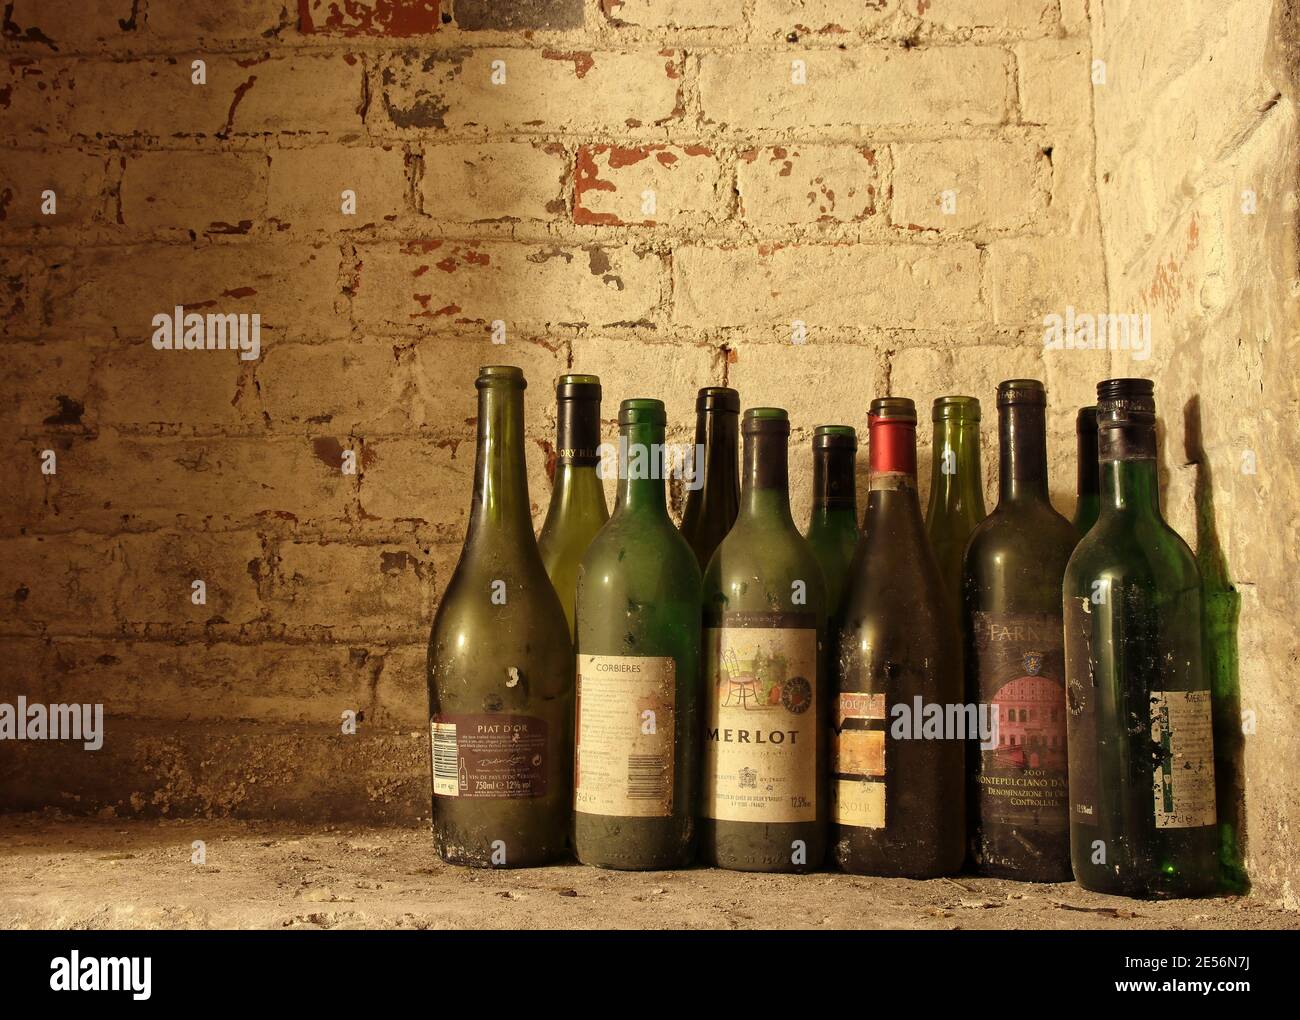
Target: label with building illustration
[
  {"x": 623, "y": 762},
  {"x": 858, "y": 760},
  {"x": 760, "y": 729},
  {"x": 1022, "y": 777},
  {"x": 1183, "y": 778},
  {"x": 489, "y": 755}
]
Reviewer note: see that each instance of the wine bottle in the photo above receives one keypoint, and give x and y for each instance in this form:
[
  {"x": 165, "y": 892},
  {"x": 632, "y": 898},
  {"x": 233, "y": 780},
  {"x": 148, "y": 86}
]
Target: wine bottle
[
  {"x": 1141, "y": 745},
  {"x": 577, "y": 509},
  {"x": 501, "y": 666},
  {"x": 714, "y": 500},
  {"x": 833, "y": 528},
  {"x": 764, "y": 805},
  {"x": 1089, "y": 505},
  {"x": 897, "y": 789},
  {"x": 637, "y": 732},
  {"x": 1015, "y": 656},
  {"x": 956, "y": 489}
]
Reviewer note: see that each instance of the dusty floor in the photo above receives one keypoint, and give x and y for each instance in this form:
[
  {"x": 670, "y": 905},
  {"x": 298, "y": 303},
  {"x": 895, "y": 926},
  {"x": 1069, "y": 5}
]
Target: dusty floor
[{"x": 62, "y": 873}]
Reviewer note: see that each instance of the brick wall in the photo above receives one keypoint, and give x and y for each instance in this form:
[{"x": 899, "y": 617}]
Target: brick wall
[{"x": 657, "y": 191}]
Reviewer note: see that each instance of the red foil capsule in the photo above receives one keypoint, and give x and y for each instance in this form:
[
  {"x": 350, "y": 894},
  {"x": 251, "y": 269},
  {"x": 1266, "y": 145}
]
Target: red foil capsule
[{"x": 893, "y": 440}]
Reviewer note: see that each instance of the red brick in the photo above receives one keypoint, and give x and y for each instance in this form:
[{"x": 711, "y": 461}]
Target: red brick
[
  {"x": 799, "y": 183},
  {"x": 611, "y": 182},
  {"x": 394, "y": 19}
]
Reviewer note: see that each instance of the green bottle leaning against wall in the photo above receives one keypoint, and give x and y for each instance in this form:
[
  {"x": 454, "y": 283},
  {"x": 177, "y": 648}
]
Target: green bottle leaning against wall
[
  {"x": 1142, "y": 795},
  {"x": 501, "y": 667},
  {"x": 765, "y": 705},
  {"x": 577, "y": 510},
  {"x": 833, "y": 525},
  {"x": 637, "y": 730}
]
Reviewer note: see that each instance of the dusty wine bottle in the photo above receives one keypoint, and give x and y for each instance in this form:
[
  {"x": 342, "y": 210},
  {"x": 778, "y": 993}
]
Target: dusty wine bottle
[
  {"x": 764, "y": 775},
  {"x": 577, "y": 510},
  {"x": 833, "y": 527},
  {"x": 1015, "y": 657},
  {"x": 1089, "y": 505},
  {"x": 1141, "y": 745},
  {"x": 712, "y": 504},
  {"x": 637, "y": 731},
  {"x": 897, "y": 784},
  {"x": 956, "y": 488},
  {"x": 501, "y": 667}
]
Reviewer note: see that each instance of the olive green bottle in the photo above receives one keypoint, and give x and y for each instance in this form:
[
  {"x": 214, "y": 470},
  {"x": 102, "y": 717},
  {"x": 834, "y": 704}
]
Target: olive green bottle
[
  {"x": 897, "y": 784},
  {"x": 1015, "y": 658},
  {"x": 714, "y": 500},
  {"x": 501, "y": 667},
  {"x": 637, "y": 733},
  {"x": 1089, "y": 505},
  {"x": 1140, "y": 727},
  {"x": 833, "y": 528},
  {"x": 765, "y": 707},
  {"x": 956, "y": 488},
  {"x": 577, "y": 509}
]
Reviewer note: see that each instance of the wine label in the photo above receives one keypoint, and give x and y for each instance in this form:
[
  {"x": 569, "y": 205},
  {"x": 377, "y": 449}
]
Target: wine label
[
  {"x": 1183, "y": 779},
  {"x": 1081, "y": 712},
  {"x": 760, "y": 734},
  {"x": 625, "y": 735},
  {"x": 490, "y": 755},
  {"x": 858, "y": 760},
  {"x": 1022, "y": 779}
]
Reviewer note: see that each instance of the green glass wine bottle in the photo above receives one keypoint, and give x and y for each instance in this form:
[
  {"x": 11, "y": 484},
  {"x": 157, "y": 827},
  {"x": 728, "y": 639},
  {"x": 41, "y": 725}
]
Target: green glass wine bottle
[
  {"x": 956, "y": 488},
  {"x": 714, "y": 500},
  {"x": 764, "y": 775},
  {"x": 897, "y": 784},
  {"x": 1089, "y": 505},
  {"x": 833, "y": 528},
  {"x": 577, "y": 509},
  {"x": 637, "y": 732},
  {"x": 501, "y": 667},
  {"x": 1140, "y": 727},
  {"x": 1015, "y": 656}
]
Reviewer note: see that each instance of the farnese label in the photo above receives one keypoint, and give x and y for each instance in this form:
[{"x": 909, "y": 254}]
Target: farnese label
[
  {"x": 760, "y": 733},
  {"x": 625, "y": 736},
  {"x": 1183, "y": 779},
  {"x": 1020, "y": 659},
  {"x": 497, "y": 755},
  {"x": 858, "y": 760}
]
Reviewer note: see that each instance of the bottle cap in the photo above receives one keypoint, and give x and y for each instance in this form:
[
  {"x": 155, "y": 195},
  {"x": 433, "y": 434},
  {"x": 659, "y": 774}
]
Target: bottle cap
[
  {"x": 578, "y": 387},
  {"x": 718, "y": 398},
  {"x": 1022, "y": 391},
  {"x": 768, "y": 420},
  {"x": 1127, "y": 401},
  {"x": 835, "y": 437},
  {"x": 1087, "y": 420},
  {"x": 642, "y": 411},
  {"x": 489, "y": 374},
  {"x": 965, "y": 408},
  {"x": 893, "y": 409}
]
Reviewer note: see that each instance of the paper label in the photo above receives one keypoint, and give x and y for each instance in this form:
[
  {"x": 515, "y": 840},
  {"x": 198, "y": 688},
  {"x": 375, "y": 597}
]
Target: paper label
[
  {"x": 1183, "y": 779},
  {"x": 489, "y": 755},
  {"x": 858, "y": 760}
]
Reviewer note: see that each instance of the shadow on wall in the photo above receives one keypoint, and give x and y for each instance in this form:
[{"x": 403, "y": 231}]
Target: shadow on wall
[{"x": 1220, "y": 612}]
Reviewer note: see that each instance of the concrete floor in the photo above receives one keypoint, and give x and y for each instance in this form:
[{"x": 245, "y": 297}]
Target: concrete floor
[{"x": 109, "y": 873}]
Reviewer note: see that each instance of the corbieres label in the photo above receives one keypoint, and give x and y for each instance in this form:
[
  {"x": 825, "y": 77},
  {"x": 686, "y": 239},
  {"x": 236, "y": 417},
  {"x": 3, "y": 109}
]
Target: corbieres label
[
  {"x": 858, "y": 760},
  {"x": 760, "y": 733},
  {"x": 624, "y": 759},
  {"x": 490, "y": 755}
]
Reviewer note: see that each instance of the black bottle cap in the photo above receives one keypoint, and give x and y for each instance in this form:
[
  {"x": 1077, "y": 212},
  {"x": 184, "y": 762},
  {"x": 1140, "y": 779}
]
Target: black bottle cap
[
  {"x": 1022, "y": 391},
  {"x": 765, "y": 420},
  {"x": 718, "y": 398},
  {"x": 835, "y": 437},
  {"x": 899, "y": 409},
  {"x": 1131, "y": 399}
]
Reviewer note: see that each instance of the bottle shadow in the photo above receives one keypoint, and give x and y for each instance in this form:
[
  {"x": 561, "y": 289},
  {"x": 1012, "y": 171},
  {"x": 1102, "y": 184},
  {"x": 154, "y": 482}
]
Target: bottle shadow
[{"x": 1220, "y": 617}]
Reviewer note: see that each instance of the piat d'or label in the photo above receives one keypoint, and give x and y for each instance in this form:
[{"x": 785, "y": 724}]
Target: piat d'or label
[{"x": 489, "y": 755}]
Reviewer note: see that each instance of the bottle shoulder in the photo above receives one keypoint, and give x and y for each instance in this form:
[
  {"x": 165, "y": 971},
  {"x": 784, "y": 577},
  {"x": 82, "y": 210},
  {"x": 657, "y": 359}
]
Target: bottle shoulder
[
  {"x": 1039, "y": 536},
  {"x": 1132, "y": 549}
]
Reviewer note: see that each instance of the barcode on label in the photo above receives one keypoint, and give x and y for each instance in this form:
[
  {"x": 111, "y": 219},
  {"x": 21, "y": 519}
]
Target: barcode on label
[
  {"x": 647, "y": 777},
  {"x": 446, "y": 772}
]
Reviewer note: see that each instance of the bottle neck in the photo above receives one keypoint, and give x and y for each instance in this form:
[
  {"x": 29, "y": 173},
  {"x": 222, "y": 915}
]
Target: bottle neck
[
  {"x": 1127, "y": 461},
  {"x": 893, "y": 472},
  {"x": 834, "y": 484},
  {"x": 500, "y": 506},
  {"x": 1089, "y": 468},
  {"x": 765, "y": 480},
  {"x": 1022, "y": 459},
  {"x": 955, "y": 478},
  {"x": 717, "y": 431},
  {"x": 641, "y": 471}
]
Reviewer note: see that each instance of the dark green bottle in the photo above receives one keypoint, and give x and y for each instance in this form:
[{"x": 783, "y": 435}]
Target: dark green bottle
[
  {"x": 1015, "y": 656},
  {"x": 833, "y": 528},
  {"x": 714, "y": 501},
  {"x": 956, "y": 488},
  {"x": 1142, "y": 797},
  {"x": 637, "y": 732},
  {"x": 898, "y": 787},
  {"x": 765, "y": 706},
  {"x": 1089, "y": 505},
  {"x": 577, "y": 509},
  {"x": 500, "y": 667}
]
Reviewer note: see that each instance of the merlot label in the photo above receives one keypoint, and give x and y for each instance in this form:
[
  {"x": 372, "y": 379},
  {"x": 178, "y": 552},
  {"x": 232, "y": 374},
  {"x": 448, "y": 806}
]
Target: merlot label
[
  {"x": 625, "y": 736},
  {"x": 1021, "y": 781},
  {"x": 760, "y": 733},
  {"x": 1183, "y": 779},
  {"x": 498, "y": 755}
]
